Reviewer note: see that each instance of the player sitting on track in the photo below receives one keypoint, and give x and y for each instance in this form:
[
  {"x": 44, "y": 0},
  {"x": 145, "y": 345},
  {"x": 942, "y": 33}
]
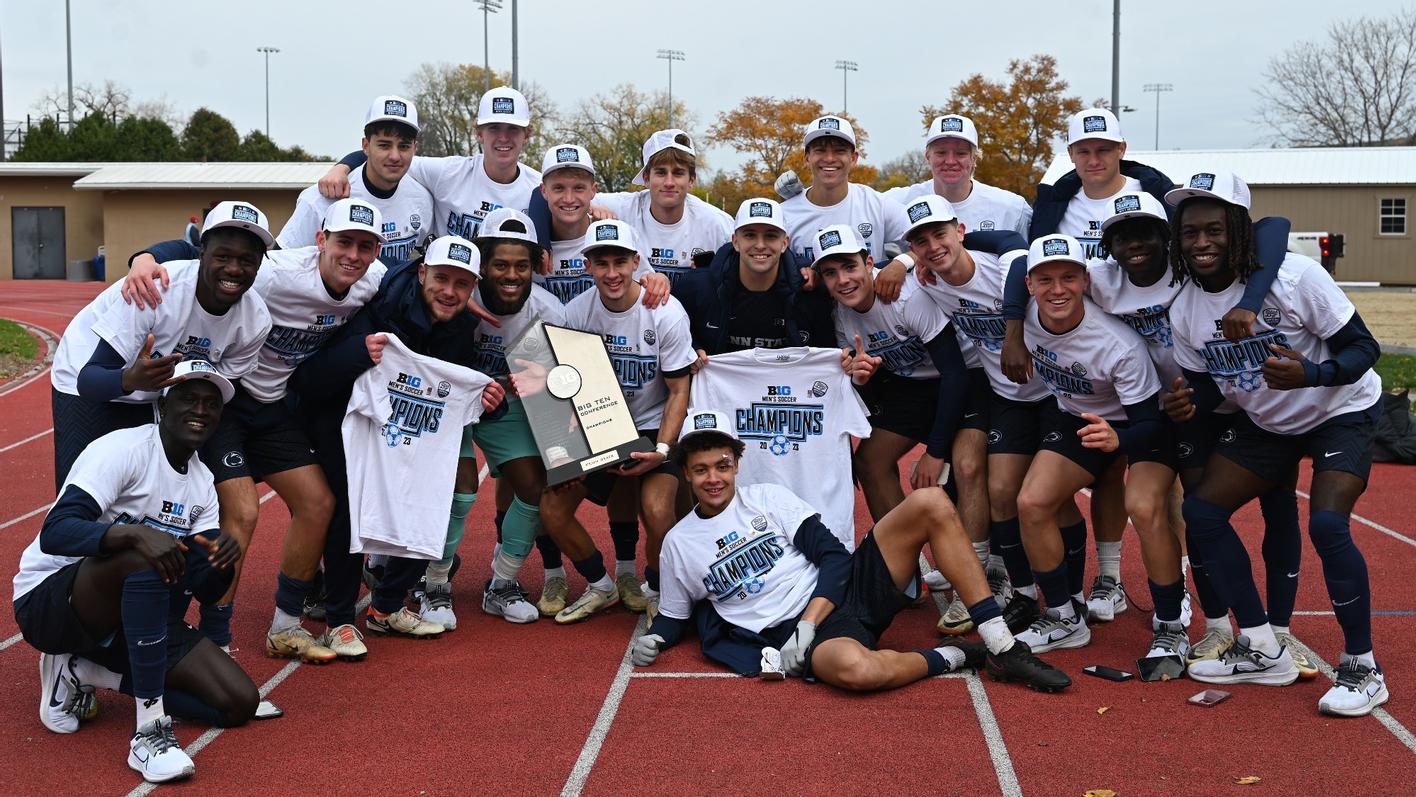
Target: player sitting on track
[
  {"x": 1305, "y": 385},
  {"x": 102, "y": 589},
  {"x": 755, "y": 568}
]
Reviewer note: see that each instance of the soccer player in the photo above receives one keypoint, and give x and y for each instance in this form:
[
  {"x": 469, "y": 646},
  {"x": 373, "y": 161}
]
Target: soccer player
[
  {"x": 100, "y": 590},
  {"x": 951, "y": 149},
  {"x": 755, "y": 568},
  {"x": 652, "y": 353},
  {"x": 1304, "y": 383}
]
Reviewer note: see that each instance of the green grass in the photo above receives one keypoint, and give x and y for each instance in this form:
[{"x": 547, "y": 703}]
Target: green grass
[
  {"x": 1398, "y": 371},
  {"x": 15, "y": 341}
]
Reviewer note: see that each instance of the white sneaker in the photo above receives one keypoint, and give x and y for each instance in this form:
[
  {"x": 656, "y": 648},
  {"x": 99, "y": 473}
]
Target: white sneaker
[
  {"x": 1107, "y": 599},
  {"x": 509, "y": 602},
  {"x": 63, "y": 701},
  {"x": 436, "y": 605},
  {"x": 772, "y": 669},
  {"x": 1358, "y": 690},
  {"x": 155, "y": 753},
  {"x": 1169, "y": 640},
  {"x": 1241, "y": 664},
  {"x": 936, "y": 581},
  {"x": 1052, "y": 632}
]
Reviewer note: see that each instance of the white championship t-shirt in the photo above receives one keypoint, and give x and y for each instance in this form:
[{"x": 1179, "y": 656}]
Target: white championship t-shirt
[
  {"x": 1098, "y": 366},
  {"x": 407, "y": 217},
  {"x": 303, "y": 315},
  {"x": 1144, "y": 309},
  {"x": 568, "y": 278},
  {"x": 463, "y": 194},
  {"x": 796, "y": 411},
  {"x": 643, "y": 344},
  {"x": 1301, "y": 311},
  {"x": 976, "y": 308},
  {"x": 742, "y": 559},
  {"x": 230, "y": 341},
  {"x": 876, "y": 220},
  {"x": 1084, "y": 216},
  {"x": 670, "y": 248},
  {"x": 896, "y": 332},
  {"x": 127, "y": 474},
  {"x": 402, "y": 436},
  {"x": 492, "y": 342},
  {"x": 985, "y": 208}
]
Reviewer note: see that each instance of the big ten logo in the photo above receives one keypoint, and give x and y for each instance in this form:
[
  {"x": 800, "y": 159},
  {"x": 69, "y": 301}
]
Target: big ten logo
[
  {"x": 617, "y": 340},
  {"x": 173, "y": 508},
  {"x": 779, "y": 390},
  {"x": 491, "y": 340},
  {"x": 325, "y": 320},
  {"x": 665, "y": 253},
  {"x": 410, "y": 380},
  {"x": 876, "y": 337},
  {"x": 196, "y": 342},
  {"x": 731, "y": 537}
]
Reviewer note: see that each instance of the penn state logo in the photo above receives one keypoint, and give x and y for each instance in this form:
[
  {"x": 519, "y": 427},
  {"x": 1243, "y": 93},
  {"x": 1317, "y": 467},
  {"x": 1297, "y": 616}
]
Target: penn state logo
[
  {"x": 649, "y": 337},
  {"x": 1052, "y": 437},
  {"x": 994, "y": 437},
  {"x": 503, "y": 105},
  {"x": 1227, "y": 436},
  {"x": 829, "y": 124},
  {"x": 460, "y": 253},
  {"x": 1079, "y": 369},
  {"x": 607, "y": 232},
  {"x": 951, "y": 124},
  {"x": 818, "y": 389},
  {"x": 1203, "y": 181},
  {"x": 1186, "y": 450},
  {"x": 567, "y": 155},
  {"x": 986, "y": 225},
  {"x": 1054, "y": 247},
  {"x": 360, "y": 214},
  {"x": 1127, "y": 204},
  {"x": 444, "y": 388},
  {"x": 759, "y": 523},
  {"x": 759, "y": 210},
  {"x": 828, "y": 239},
  {"x": 919, "y": 210},
  {"x": 415, "y": 221},
  {"x": 233, "y": 459},
  {"x": 245, "y": 213},
  {"x": 395, "y": 108},
  {"x": 1094, "y": 124},
  {"x": 864, "y": 229},
  {"x": 1272, "y": 316},
  {"x": 705, "y": 420}
]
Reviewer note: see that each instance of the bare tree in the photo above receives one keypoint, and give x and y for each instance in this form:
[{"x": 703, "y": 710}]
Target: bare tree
[
  {"x": 446, "y": 96},
  {"x": 111, "y": 99},
  {"x": 1357, "y": 88},
  {"x": 614, "y": 125}
]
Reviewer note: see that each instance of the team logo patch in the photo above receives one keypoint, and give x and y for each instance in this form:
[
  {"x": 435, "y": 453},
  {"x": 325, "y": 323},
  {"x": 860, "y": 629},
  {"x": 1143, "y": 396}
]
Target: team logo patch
[
  {"x": 1186, "y": 450},
  {"x": 998, "y": 304},
  {"x": 1055, "y": 247},
  {"x": 1079, "y": 369},
  {"x": 919, "y": 210},
  {"x": 900, "y": 330},
  {"x": 705, "y": 420},
  {"x": 987, "y": 225},
  {"x": 395, "y": 108},
  {"x": 567, "y": 155},
  {"x": 759, "y": 523},
  {"x": 233, "y": 459},
  {"x": 1227, "y": 436},
  {"x": 503, "y": 105},
  {"x": 194, "y": 513},
  {"x": 1127, "y": 204},
  {"x": 864, "y": 228},
  {"x": 415, "y": 221},
  {"x": 245, "y": 213},
  {"x": 1052, "y": 437},
  {"x": 649, "y": 337},
  {"x": 829, "y": 124},
  {"x": 202, "y": 366},
  {"x": 444, "y": 388},
  {"x": 818, "y": 389},
  {"x": 1203, "y": 181},
  {"x": 1094, "y": 124},
  {"x": 828, "y": 239},
  {"x": 1272, "y": 316},
  {"x": 951, "y": 124},
  {"x": 607, "y": 232},
  {"x": 360, "y": 214},
  {"x": 460, "y": 253},
  {"x": 759, "y": 210},
  {"x": 994, "y": 437}
]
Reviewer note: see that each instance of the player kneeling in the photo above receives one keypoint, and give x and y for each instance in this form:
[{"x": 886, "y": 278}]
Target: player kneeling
[{"x": 756, "y": 569}]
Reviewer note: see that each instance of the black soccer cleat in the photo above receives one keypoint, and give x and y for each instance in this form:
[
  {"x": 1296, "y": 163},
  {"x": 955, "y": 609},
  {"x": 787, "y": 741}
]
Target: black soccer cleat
[
  {"x": 1019, "y": 664},
  {"x": 975, "y": 653},
  {"x": 1020, "y": 613}
]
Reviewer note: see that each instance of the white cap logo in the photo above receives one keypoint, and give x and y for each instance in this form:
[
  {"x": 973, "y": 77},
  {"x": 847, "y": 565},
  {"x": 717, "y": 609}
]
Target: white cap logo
[
  {"x": 705, "y": 420},
  {"x": 361, "y": 214},
  {"x": 244, "y": 213},
  {"x": 459, "y": 253},
  {"x": 1094, "y": 124},
  {"x": 828, "y": 239},
  {"x": 828, "y": 123},
  {"x": 760, "y": 210},
  {"x": 919, "y": 210},
  {"x": 607, "y": 232},
  {"x": 395, "y": 108},
  {"x": 567, "y": 155},
  {"x": 1203, "y": 181},
  {"x": 951, "y": 124},
  {"x": 1056, "y": 247},
  {"x": 1128, "y": 203},
  {"x": 503, "y": 105}
]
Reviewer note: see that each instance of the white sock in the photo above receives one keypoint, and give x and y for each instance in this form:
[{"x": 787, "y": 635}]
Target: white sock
[
  {"x": 1261, "y": 638},
  {"x": 996, "y": 636},
  {"x": 623, "y": 568},
  {"x": 1030, "y": 591},
  {"x": 981, "y": 551},
  {"x": 953, "y": 658},
  {"x": 505, "y": 566},
  {"x": 1067, "y": 611},
  {"x": 94, "y": 674},
  {"x": 438, "y": 573},
  {"x": 555, "y": 572},
  {"x": 1279, "y": 629},
  {"x": 1108, "y": 559},
  {"x": 1184, "y": 567},
  {"x": 283, "y": 621},
  {"x": 1220, "y": 624},
  {"x": 605, "y": 584},
  {"x": 149, "y": 710},
  {"x": 648, "y": 591},
  {"x": 1369, "y": 658}
]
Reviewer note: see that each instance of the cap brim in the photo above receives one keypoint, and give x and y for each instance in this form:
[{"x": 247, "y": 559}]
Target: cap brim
[
  {"x": 256, "y": 229},
  {"x": 694, "y": 432},
  {"x": 556, "y": 167},
  {"x": 399, "y": 119},
  {"x": 1056, "y": 259},
  {"x": 517, "y": 121},
  {"x": 1107, "y": 136},
  {"x": 933, "y": 137},
  {"x": 764, "y": 222},
  {"x": 815, "y": 134},
  {"x": 349, "y": 227},
  {"x": 1132, "y": 214},
  {"x": 223, "y": 385},
  {"x": 928, "y": 220},
  {"x": 829, "y": 253},
  {"x": 453, "y": 264},
  {"x": 1175, "y": 196},
  {"x": 608, "y": 245}
]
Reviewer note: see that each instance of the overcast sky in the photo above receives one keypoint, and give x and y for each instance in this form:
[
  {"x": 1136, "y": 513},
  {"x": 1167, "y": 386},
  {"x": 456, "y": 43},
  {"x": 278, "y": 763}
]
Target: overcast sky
[{"x": 335, "y": 57}]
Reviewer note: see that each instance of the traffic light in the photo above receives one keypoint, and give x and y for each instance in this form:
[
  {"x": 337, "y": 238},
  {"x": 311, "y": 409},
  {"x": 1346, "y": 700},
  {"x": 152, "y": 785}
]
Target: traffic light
[{"x": 1331, "y": 247}]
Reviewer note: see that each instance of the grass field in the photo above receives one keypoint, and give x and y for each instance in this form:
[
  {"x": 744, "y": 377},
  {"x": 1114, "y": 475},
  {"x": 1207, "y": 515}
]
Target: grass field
[
  {"x": 1398, "y": 371},
  {"x": 17, "y": 349}
]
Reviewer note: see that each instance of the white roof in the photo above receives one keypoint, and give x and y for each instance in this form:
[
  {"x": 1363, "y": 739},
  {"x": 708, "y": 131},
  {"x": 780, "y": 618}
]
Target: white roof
[
  {"x": 1295, "y": 166},
  {"x": 129, "y": 176},
  {"x": 50, "y": 169}
]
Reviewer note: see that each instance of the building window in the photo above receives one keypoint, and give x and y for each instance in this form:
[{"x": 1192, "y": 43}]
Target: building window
[{"x": 1393, "y": 216}]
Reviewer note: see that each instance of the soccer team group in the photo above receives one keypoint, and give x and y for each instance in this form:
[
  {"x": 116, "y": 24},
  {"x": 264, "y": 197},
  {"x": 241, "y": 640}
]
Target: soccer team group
[{"x": 1141, "y": 337}]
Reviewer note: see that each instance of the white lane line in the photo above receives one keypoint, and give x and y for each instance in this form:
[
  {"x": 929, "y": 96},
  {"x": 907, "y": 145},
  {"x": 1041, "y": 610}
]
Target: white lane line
[
  {"x": 12, "y": 640},
  {"x": 1393, "y": 533},
  {"x": 29, "y": 439},
  {"x": 686, "y": 675},
  {"x": 211, "y": 733},
  {"x": 601, "y": 729},
  {"x": 1401, "y": 732},
  {"x": 26, "y": 516}
]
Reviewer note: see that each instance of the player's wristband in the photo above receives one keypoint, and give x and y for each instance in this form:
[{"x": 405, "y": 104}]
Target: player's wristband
[
  {"x": 662, "y": 448},
  {"x": 908, "y": 260}
]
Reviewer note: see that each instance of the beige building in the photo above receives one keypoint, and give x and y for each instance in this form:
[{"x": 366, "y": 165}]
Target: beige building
[
  {"x": 52, "y": 214},
  {"x": 1362, "y": 193}
]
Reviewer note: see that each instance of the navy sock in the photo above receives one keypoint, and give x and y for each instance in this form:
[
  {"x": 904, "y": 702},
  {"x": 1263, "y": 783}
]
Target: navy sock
[
  {"x": 1006, "y": 537},
  {"x": 550, "y": 552},
  {"x": 501, "y": 516},
  {"x": 290, "y": 594},
  {"x": 935, "y": 660},
  {"x": 984, "y": 610},
  {"x": 625, "y": 534},
  {"x": 1054, "y": 586},
  {"x": 187, "y": 706},
  {"x": 1283, "y": 551},
  {"x": 651, "y": 577},
  {"x": 1226, "y": 560},
  {"x": 1345, "y": 572},
  {"x": 1074, "y": 541},
  {"x": 591, "y": 567},
  {"x": 144, "y": 606},
  {"x": 1167, "y": 599},
  {"x": 216, "y": 622},
  {"x": 1210, "y": 602}
]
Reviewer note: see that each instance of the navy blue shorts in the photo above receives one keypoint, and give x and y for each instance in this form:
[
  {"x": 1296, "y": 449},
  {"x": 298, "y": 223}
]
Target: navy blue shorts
[
  {"x": 871, "y": 601},
  {"x": 1015, "y": 427},
  {"x": 901, "y": 405},
  {"x": 1341, "y": 443},
  {"x": 255, "y": 439},
  {"x": 976, "y": 400}
]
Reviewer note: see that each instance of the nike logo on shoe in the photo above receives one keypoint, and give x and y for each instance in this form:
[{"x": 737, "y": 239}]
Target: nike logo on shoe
[
  {"x": 1331, "y": 453},
  {"x": 58, "y": 679}
]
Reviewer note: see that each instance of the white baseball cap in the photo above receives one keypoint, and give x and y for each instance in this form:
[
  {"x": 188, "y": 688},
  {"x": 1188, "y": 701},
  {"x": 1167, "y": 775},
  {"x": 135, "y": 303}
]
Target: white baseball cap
[
  {"x": 495, "y": 226},
  {"x": 566, "y": 156},
  {"x": 952, "y": 126},
  {"x": 760, "y": 210},
  {"x": 1093, "y": 123},
  {"x": 205, "y": 371},
  {"x": 456, "y": 251},
  {"x": 838, "y": 239},
  {"x": 242, "y": 215},
  {"x": 1052, "y": 248},
  {"x": 609, "y": 233},
  {"x": 354, "y": 214},
  {"x": 392, "y": 108},
  {"x": 701, "y": 421},
  {"x": 931, "y": 209},
  {"x": 660, "y": 141},
  {"x": 1224, "y": 186},
  {"x": 1130, "y": 206},
  {"x": 503, "y": 104},
  {"x": 829, "y": 126}
]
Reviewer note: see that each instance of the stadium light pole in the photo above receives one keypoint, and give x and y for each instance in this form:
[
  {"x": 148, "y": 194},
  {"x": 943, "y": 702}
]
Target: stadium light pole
[
  {"x": 846, "y": 68},
  {"x": 267, "y": 51},
  {"x": 69, "y": 51},
  {"x": 671, "y": 56},
  {"x": 488, "y": 7},
  {"x": 1157, "y": 89},
  {"x": 1116, "y": 56},
  {"x": 515, "y": 78}
]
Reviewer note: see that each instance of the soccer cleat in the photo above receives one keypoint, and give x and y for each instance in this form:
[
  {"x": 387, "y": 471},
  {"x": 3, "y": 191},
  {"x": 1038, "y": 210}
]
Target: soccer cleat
[
  {"x": 1169, "y": 640},
  {"x": 314, "y": 606},
  {"x": 1306, "y": 670},
  {"x": 404, "y": 622},
  {"x": 155, "y": 753},
  {"x": 592, "y": 602},
  {"x": 956, "y": 619},
  {"x": 1018, "y": 664},
  {"x": 436, "y": 605},
  {"x": 936, "y": 581},
  {"x": 1107, "y": 599},
  {"x": 1051, "y": 631},
  {"x": 297, "y": 643},
  {"x": 553, "y": 596},
  {"x": 631, "y": 595},
  {"x": 1020, "y": 612},
  {"x": 975, "y": 654},
  {"x": 1241, "y": 664},
  {"x": 63, "y": 701},
  {"x": 1359, "y": 689},
  {"x": 999, "y": 584},
  {"x": 1210, "y": 646},
  {"x": 772, "y": 669},
  {"x": 509, "y": 602},
  {"x": 346, "y": 642}
]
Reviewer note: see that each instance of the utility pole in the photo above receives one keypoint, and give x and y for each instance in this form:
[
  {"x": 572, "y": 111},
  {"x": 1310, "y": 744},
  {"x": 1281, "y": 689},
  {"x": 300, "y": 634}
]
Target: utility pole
[
  {"x": 671, "y": 56},
  {"x": 846, "y": 68},
  {"x": 267, "y": 51},
  {"x": 1158, "y": 88},
  {"x": 488, "y": 7},
  {"x": 4, "y": 133},
  {"x": 515, "y": 77},
  {"x": 1116, "y": 56},
  {"x": 69, "y": 50}
]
